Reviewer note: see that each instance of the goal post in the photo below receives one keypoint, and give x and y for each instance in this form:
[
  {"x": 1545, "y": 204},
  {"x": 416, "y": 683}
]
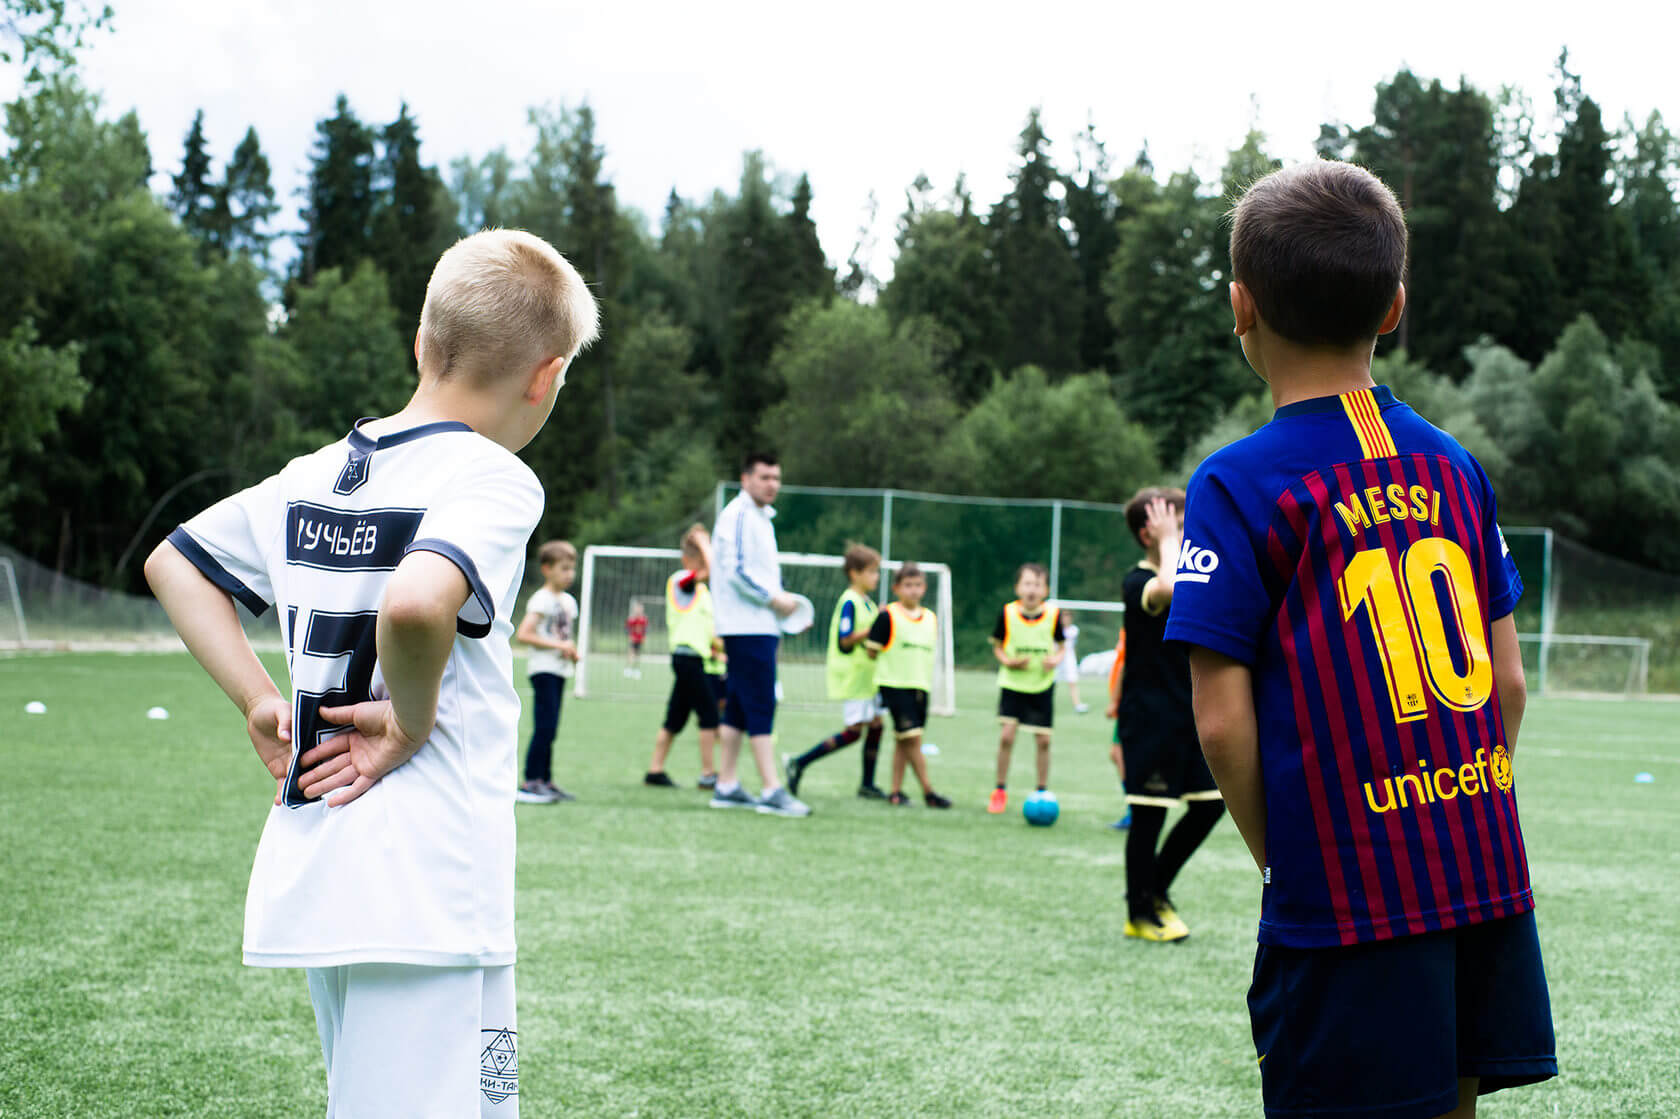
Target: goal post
[
  {"x": 11, "y": 602},
  {"x": 613, "y": 577}
]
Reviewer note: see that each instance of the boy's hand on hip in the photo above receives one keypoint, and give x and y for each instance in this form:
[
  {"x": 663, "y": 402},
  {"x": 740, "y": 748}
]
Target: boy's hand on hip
[
  {"x": 373, "y": 744},
  {"x": 269, "y": 723}
]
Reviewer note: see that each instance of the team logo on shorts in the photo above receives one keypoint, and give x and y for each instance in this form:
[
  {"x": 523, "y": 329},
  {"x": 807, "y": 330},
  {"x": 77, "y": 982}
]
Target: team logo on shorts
[
  {"x": 1502, "y": 769},
  {"x": 498, "y": 1065}
]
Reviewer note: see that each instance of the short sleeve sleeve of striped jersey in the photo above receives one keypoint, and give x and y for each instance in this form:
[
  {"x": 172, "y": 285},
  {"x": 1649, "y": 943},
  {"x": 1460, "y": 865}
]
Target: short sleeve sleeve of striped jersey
[
  {"x": 1505, "y": 586},
  {"x": 1219, "y": 600}
]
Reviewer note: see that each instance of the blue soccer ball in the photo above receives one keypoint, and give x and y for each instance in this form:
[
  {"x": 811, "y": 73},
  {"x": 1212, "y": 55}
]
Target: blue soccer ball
[{"x": 1041, "y": 809}]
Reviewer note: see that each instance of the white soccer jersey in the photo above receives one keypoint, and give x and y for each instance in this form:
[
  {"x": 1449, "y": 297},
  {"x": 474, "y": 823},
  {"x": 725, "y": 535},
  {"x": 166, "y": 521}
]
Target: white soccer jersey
[
  {"x": 557, "y": 621},
  {"x": 419, "y": 870}
]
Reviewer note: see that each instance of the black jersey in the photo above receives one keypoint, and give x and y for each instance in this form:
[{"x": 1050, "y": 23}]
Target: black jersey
[{"x": 1155, "y": 690}]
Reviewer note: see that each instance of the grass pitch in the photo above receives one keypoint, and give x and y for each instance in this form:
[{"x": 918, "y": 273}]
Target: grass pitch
[{"x": 676, "y": 961}]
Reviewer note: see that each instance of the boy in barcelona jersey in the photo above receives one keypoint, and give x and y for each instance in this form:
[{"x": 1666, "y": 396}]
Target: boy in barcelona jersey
[
  {"x": 1346, "y": 599},
  {"x": 393, "y": 558}
]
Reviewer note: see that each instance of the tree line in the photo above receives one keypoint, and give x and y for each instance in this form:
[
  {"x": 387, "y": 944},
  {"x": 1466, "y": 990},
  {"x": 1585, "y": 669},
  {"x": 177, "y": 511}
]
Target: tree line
[{"x": 1068, "y": 339}]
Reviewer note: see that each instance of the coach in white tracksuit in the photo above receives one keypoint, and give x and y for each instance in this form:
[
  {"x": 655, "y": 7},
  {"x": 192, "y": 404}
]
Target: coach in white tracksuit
[{"x": 747, "y": 603}]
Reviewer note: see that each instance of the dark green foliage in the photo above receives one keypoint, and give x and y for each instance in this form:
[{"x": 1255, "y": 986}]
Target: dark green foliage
[
  {"x": 339, "y": 208},
  {"x": 414, "y": 221},
  {"x": 1039, "y": 289},
  {"x": 248, "y": 200}
]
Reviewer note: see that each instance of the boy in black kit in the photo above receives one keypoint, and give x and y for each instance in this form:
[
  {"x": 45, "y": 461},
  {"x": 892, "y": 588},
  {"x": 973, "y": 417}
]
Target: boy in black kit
[{"x": 1157, "y": 727}]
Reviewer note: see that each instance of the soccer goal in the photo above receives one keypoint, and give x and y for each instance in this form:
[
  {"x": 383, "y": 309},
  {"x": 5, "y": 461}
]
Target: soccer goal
[
  {"x": 614, "y": 577},
  {"x": 1099, "y": 623},
  {"x": 11, "y": 605},
  {"x": 1586, "y": 664}
]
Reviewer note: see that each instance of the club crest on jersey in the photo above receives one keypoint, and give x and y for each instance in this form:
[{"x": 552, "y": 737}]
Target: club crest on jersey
[
  {"x": 1196, "y": 565},
  {"x": 1501, "y": 765},
  {"x": 498, "y": 1065},
  {"x": 354, "y": 474}
]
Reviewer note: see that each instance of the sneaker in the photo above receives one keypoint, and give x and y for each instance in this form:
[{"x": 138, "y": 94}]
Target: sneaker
[
  {"x": 999, "y": 801},
  {"x": 661, "y": 780},
  {"x": 533, "y": 792},
  {"x": 1148, "y": 928},
  {"x": 782, "y": 803},
  {"x": 899, "y": 800},
  {"x": 794, "y": 771},
  {"x": 1123, "y": 822},
  {"x": 871, "y": 792},
  {"x": 1081, "y": 708},
  {"x": 1169, "y": 918},
  {"x": 934, "y": 800},
  {"x": 739, "y": 798},
  {"x": 707, "y": 781},
  {"x": 629, "y": 673},
  {"x": 557, "y": 792}
]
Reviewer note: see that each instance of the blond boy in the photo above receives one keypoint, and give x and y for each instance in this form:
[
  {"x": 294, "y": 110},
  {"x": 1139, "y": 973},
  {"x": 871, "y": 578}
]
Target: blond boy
[
  {"x": 394, "y": 557},
  {"x": 1028, "y": 645}
]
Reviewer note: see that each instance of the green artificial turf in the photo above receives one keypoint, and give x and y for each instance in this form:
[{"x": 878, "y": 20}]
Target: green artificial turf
[{"x": 677, "y": 961}]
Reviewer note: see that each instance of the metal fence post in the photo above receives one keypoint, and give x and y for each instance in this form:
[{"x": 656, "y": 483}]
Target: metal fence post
[{"x": 1055, "y": 547}]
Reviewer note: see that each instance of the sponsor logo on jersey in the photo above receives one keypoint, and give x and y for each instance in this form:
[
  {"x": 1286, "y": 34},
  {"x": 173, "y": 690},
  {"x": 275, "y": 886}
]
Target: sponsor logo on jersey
[
  {"x": 498, "y": 1065},
  {"x": 1426, "y": 786},
  {"x": 340, "y": 540},
  {"x": 1196, "y": 565}
]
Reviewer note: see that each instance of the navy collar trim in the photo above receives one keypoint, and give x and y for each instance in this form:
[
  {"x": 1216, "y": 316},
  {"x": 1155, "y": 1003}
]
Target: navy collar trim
[
  {"x": 1382, "y": 393},
  {"x": 364, "y": 444}
]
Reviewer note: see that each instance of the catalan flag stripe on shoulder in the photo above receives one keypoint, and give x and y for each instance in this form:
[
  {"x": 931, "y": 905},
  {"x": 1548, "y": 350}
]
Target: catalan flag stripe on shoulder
[{"x": 1363, "y": 413}]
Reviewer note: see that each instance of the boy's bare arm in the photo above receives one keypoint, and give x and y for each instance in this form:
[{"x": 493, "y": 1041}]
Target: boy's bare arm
[
  {"x": 1223, "y": 695},
  {"x": 1004, "y": 658},
  {"x": 204, "y": 616},
  {"x": 1508, "y": 680},
  {"x": 527, "y": 634},
  {"x": 415, "y": 634},
  {"x": 1056, "y": 655}
]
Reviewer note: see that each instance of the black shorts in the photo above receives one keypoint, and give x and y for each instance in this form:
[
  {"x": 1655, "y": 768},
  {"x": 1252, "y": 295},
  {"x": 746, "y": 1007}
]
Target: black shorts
[
  {"x": 908, "y": 708},
  {"x": 1034, "y": 711},
  {"x": 1388, "y": 1028},
  {"x": 1166, "y": 767},
  {"x": 691, "y": 691}
]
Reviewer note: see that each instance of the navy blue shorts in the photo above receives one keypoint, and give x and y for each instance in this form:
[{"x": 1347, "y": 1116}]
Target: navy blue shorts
[
  {"x": 1387, "y": 1029},
  {"x": 750, "y": 686}
]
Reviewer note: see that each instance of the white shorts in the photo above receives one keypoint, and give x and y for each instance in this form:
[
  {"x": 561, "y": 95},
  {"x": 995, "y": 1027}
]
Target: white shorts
[
  {"x": 855, "y": 711},
  {"x": 417, "y": 1041}
]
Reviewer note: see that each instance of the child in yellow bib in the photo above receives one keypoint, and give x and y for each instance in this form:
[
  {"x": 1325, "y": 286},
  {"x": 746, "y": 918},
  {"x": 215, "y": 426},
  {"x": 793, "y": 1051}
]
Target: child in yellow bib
[
  {"x": 696, "y": 665},
  {"x": 851, "y": 675},
  {"x": 1028, "y": 644},
  {"x": 902, "y": 641}
]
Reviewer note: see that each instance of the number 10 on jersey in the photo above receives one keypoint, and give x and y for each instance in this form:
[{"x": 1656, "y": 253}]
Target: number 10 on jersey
[{"x": 1407, "y": 610}]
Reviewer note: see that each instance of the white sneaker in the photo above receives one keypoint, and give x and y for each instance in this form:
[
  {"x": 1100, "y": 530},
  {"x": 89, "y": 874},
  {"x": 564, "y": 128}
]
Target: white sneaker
[
  {"x": 783, "y": 803},
  {"x": 1081, "y": 708}
]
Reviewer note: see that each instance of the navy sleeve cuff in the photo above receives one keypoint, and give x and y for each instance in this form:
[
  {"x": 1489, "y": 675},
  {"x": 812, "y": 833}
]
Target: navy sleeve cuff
[
  {"x": 1507, "y": 602},
  {"x": 1208, "y": 637},
  {"x": 208, "y": 567},
  {"x": 466, "y": 627}
]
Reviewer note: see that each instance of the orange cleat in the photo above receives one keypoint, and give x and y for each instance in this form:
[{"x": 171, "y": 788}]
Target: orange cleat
[{"x": 999, "y": 801}]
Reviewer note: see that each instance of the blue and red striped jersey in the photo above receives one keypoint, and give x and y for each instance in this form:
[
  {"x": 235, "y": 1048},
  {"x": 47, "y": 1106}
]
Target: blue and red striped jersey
[{"x": 1348, "y": 553}]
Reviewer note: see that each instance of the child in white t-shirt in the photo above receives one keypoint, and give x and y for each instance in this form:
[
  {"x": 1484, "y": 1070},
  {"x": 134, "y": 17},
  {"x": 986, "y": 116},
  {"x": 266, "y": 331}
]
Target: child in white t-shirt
[
  {"x": 550, "y": 629},
  {"x": 394, "y": 557},
  {"x": 1068, "y": 670}
]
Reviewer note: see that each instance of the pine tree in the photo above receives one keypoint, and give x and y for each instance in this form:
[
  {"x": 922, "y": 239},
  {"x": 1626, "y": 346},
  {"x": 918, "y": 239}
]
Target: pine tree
[
  {"x": 338, "y": 215},
  {"x": 196, "y": 200},
  {"x": 809, "y": 274},
  {"x": 412, "y": 223},
  {"x": 248, "y": 197},
  {"x": 1043, "y": 304}
]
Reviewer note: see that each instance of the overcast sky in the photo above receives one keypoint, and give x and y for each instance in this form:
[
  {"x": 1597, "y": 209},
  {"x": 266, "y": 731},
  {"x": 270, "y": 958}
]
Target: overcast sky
[{"x": 862, "y": 96}]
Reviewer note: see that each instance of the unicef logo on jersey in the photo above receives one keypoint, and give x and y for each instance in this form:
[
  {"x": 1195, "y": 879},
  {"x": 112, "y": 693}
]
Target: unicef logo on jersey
[{"x": 1196, "y": 565}]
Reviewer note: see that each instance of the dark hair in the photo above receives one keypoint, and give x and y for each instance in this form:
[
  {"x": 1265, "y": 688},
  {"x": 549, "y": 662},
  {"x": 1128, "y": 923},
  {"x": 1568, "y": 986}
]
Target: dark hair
[
  {"x": 908, "y": 571},
  {"x": 768, "y": 458},
  {"x": 1036, "y": 568},
  {"x": 1322, "y": 248},
  {"x": 1137, "y": 509},
  {"x": 861, "y": 557}
]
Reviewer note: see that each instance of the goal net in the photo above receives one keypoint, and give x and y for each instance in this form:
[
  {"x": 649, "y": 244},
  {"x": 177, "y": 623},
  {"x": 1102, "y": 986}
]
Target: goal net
[{"x": 614, "y": 577}]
